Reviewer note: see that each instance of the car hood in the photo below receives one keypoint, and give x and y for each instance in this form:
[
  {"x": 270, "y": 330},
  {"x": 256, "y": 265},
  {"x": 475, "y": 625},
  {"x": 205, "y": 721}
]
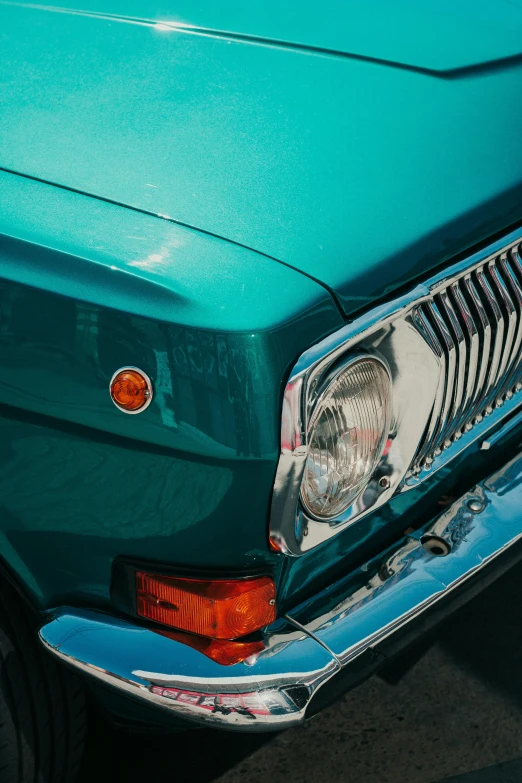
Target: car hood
[{"x": 360, "y": 143}]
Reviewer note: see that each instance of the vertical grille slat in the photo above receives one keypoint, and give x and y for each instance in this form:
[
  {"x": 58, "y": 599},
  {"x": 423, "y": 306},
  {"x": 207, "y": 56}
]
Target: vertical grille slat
[
  {"x": 512, "y": 266},
  {"x": 497, "y": 320},
  {"x": 473, "y": 324},
  {"x": 460, "y": 363},
  {"x": 471, "y": 333},
  {"x": 485, "y": 342},
  {"x": 435, "y": 424},
  {"x": 515, "y": 291},
  {"x": 448, "y": 348},
  {"x": 510, "y": 320}
]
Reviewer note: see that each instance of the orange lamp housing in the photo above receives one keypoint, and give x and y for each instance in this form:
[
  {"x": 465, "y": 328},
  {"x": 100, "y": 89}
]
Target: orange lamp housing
[
  {"x": 217, "y": 609},
  {"x": 226, "y": 652}
]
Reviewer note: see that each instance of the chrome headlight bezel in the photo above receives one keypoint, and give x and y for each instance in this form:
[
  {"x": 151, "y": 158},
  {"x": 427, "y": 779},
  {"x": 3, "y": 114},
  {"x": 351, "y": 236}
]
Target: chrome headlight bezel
[
  {"x": 382, "y": 334},
  {"x": 392, "y": 333}
]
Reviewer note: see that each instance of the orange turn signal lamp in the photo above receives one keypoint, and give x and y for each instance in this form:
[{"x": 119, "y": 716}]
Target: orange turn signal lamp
[{"x": 216, "y": 609}]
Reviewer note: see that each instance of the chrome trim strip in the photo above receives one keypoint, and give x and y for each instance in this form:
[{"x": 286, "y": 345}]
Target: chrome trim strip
[
  {"x": 324, "y": 636},
  {"x": 501, "y": 433}
]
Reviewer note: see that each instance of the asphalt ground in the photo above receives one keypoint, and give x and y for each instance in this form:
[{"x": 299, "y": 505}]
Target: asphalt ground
[{"x": 456, "y": 716}]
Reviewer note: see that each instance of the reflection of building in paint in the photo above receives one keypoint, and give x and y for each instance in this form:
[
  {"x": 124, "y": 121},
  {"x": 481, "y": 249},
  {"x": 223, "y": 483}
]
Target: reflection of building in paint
[
  {"x": 211, "y": 387},
  {"x": 87, "y": 329},
  {"x": 219, "y": 387},
  {"x": 163, "y": 389}
]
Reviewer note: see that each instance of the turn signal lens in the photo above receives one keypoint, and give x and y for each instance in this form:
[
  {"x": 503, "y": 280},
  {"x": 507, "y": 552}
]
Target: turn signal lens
[
  {"x": 218, "y": 609},
  {"x": 131, "y": 390}
]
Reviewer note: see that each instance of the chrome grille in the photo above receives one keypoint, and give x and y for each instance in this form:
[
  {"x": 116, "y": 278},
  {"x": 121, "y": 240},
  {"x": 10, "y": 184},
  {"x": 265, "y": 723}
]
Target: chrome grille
[{"x": 473, "y": 323}]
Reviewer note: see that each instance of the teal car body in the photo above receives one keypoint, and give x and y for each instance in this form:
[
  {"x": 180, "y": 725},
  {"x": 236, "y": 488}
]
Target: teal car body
[{"x": 205, "y": 192}]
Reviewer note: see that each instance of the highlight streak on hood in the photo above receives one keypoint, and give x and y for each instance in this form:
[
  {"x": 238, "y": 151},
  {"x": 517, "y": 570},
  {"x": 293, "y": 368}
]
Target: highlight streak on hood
[{"x": 362, "y": 176}]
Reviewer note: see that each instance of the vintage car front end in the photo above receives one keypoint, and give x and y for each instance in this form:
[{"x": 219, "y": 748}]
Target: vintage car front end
[
  {"x": 296, "y": 239},
  {"x": 381, "y": 414}
]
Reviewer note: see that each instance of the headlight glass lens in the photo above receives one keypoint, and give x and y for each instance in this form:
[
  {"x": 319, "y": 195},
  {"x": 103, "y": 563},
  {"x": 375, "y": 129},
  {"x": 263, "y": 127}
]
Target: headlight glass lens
[{"x": 346, "y": 437}]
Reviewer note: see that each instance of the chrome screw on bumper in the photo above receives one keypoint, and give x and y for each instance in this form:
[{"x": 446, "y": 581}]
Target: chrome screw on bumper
[{"x": 475, "y": 505}]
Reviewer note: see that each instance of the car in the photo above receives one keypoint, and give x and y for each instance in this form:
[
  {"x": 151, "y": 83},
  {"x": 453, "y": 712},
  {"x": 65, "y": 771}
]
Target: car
[{"x": 288, "y": 242}]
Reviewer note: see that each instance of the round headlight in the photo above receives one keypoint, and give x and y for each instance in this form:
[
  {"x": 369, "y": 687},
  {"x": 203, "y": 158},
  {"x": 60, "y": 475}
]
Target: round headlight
[{"x": 346, "y": 435}]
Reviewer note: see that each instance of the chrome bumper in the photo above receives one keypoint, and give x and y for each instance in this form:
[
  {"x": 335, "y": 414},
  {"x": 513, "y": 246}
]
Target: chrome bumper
[{"x": 325, "y": 638}]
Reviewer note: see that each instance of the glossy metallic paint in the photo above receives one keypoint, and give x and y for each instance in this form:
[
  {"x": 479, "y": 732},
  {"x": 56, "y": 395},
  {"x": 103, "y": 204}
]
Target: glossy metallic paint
[
  {"x": 363, "y": 175},
  {"x": 89, "y": 287},
  {"x": 439, "y": 36}
]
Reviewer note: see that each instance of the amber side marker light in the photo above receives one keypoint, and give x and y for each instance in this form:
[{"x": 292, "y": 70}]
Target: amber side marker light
[
  {"x": 217, "y": 609},
  {"x": 131, "y": 390}
]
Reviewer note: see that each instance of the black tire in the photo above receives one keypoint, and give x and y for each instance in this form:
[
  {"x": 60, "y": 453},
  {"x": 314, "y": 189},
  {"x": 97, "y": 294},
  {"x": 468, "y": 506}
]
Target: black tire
[{"x": 42, "y": 704}]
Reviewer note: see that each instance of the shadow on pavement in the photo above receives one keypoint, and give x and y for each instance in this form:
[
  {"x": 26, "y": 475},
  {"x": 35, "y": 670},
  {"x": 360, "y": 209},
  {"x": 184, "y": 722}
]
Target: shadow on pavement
[
  {"x": 198, "y": 756},
  {"x": 485, "y": 637}
]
